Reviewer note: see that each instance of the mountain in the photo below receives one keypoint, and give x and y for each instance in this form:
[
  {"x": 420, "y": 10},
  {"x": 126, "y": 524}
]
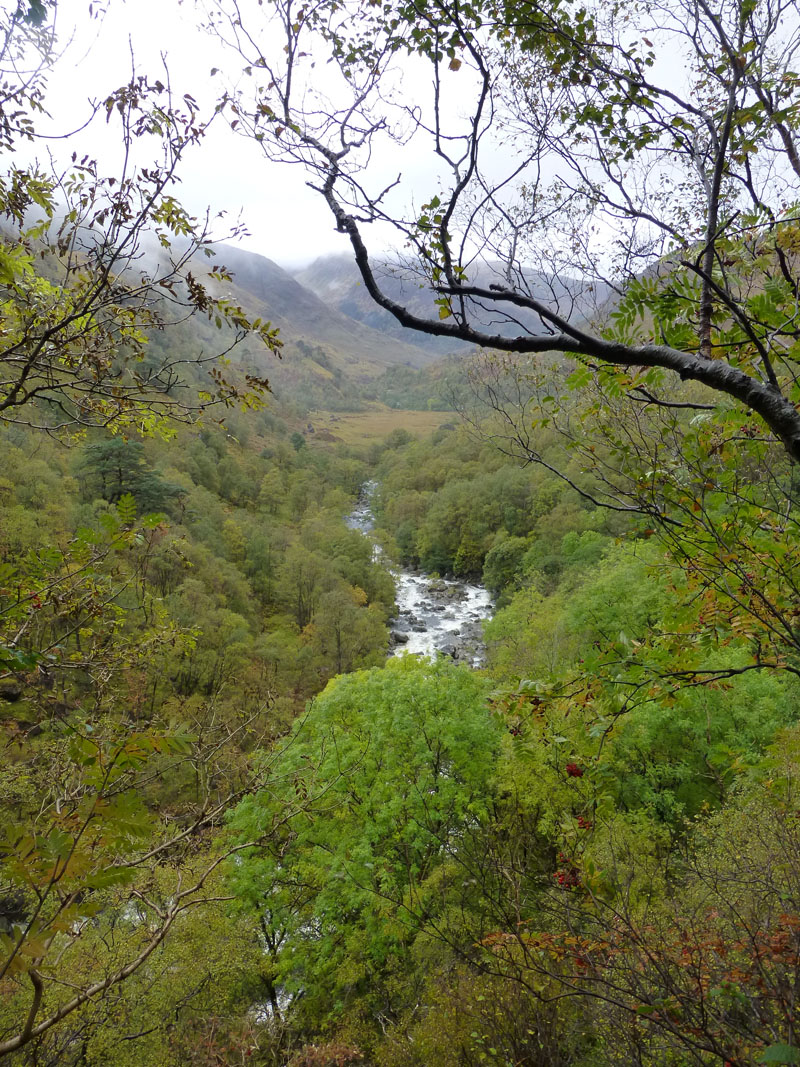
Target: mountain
[
  {"x": 336, "y": 280},
  {"x": 337, "y": 342},
  {"x": 264, "y": 289}
]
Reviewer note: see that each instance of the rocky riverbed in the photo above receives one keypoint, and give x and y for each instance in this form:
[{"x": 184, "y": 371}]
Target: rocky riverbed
[
  {"x": 440, "y": 615},
  {"x": 433, "y": 614}
]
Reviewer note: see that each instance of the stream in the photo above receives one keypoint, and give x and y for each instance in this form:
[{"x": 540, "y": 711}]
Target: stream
[{"x": 433, "y": 614}]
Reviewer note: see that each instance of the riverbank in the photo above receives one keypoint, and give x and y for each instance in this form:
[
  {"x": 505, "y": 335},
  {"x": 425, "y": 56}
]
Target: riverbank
[{"x": 433, "y": 614}]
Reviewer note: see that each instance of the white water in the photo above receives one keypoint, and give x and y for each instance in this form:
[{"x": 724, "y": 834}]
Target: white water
[{"x": 434, "y": 614}]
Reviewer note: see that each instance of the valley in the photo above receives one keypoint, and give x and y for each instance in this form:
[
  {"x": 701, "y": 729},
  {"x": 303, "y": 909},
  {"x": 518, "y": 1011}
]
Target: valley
[
  {"x": 337, "y": 700},
  {"x": 372, "y": 426},
  {"x": 399, "y": 651}
]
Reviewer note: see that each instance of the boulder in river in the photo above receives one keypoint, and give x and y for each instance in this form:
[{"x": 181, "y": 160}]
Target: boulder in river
[{"x": 428, "y": 605}]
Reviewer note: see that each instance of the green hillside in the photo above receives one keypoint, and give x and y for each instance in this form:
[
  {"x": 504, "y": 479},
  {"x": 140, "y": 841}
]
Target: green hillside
[{"x": 400, "y": 665}]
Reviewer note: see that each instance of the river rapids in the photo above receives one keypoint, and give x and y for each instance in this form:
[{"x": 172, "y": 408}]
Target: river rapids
[{"x": 433, "y": 614}]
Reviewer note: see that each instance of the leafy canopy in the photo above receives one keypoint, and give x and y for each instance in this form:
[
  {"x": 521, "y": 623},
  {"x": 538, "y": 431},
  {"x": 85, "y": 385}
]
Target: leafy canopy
[{"x": 393, "y": 763}]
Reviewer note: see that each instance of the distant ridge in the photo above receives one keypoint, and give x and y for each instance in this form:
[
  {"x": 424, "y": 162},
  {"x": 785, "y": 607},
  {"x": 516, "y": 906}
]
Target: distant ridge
[
  {"x": 302, "y": 314},
  {"x": 336, "y": 280},
  {"x": 337, "y": 342}
]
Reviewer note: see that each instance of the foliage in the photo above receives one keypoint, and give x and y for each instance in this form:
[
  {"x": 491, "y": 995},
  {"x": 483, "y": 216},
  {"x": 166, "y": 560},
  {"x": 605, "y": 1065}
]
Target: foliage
[
  {"x": 434, "y": 388},
  {"x": 395, "y": 763},
  {"x": 138, "y": 670},
  {"x": 702, "y": 966},
  {"x": 454, "y": 505},
  {"x": 81, "y": 287},
  {"x": 435, "y": 878},
  {"x": 115, "y": 468},
  {"x": 564, "y": 152}
]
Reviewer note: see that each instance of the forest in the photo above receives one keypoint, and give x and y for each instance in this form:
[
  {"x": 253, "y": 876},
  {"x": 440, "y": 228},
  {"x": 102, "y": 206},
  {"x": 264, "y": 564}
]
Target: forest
[{"x": 238, "y": 825}]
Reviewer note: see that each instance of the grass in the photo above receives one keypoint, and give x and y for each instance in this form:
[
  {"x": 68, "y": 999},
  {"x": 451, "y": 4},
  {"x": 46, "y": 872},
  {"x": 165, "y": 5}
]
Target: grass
[{"x": 365, "y": 427}]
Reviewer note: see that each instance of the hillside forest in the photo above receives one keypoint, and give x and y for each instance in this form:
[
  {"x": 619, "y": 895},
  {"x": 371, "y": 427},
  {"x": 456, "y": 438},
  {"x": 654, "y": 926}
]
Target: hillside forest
[{"x": 238, "y": 823}]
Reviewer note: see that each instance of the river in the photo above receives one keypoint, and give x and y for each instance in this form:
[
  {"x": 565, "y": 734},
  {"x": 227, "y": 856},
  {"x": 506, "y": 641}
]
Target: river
[{"x": 433, "y": 614}]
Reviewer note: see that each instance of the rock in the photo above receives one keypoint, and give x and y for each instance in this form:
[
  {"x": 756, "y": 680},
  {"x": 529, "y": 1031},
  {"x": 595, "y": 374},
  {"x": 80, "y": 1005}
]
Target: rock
[{"x": 399, "y": 637}]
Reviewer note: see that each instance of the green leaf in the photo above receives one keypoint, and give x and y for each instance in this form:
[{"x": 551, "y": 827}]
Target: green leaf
[
  {"x": 780, "y": 1054},
  {"x": 126, "y": 509},
  {"x": 14, "y": 659}
]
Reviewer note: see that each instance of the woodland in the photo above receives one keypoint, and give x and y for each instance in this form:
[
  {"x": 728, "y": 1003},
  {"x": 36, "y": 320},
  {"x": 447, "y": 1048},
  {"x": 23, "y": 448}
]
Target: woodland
[{"x": 233, "y": 829}]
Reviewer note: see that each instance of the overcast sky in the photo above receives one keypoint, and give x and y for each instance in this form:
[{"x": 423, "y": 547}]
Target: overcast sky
[{"x": 287, "y": 221}]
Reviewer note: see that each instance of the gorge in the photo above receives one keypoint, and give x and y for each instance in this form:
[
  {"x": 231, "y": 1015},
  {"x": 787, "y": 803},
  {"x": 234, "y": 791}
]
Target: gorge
[{"x": 433, "y": 614}]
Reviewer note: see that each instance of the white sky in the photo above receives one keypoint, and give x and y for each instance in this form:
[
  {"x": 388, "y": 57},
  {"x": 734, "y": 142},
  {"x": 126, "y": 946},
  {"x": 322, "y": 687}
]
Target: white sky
[{"x": 287, "y": 221}]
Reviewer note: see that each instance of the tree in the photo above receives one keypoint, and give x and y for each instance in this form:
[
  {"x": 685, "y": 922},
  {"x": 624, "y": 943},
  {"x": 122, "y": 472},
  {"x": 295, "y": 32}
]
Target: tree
[
  {"x": 560, "y": 150},
  {"x": 639, "y": 217},
  {"x": 111, "y": 469},
  {"x": 302, "y": 579},
  {"x": 503, "y": 563},
  {"x": 346, "y": 631},
  {"x": 693, "y": 956},
  {"x": 87, "y": 857},
  {"x": 93, "y": 265},
  {"x": 395, "y": 762}
]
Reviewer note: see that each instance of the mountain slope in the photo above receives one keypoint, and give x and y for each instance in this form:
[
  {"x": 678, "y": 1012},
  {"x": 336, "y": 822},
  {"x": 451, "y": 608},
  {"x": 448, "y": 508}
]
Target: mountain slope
[
  {"x": 264, "y": 289},
  {"x": 336, "y": 280}
]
